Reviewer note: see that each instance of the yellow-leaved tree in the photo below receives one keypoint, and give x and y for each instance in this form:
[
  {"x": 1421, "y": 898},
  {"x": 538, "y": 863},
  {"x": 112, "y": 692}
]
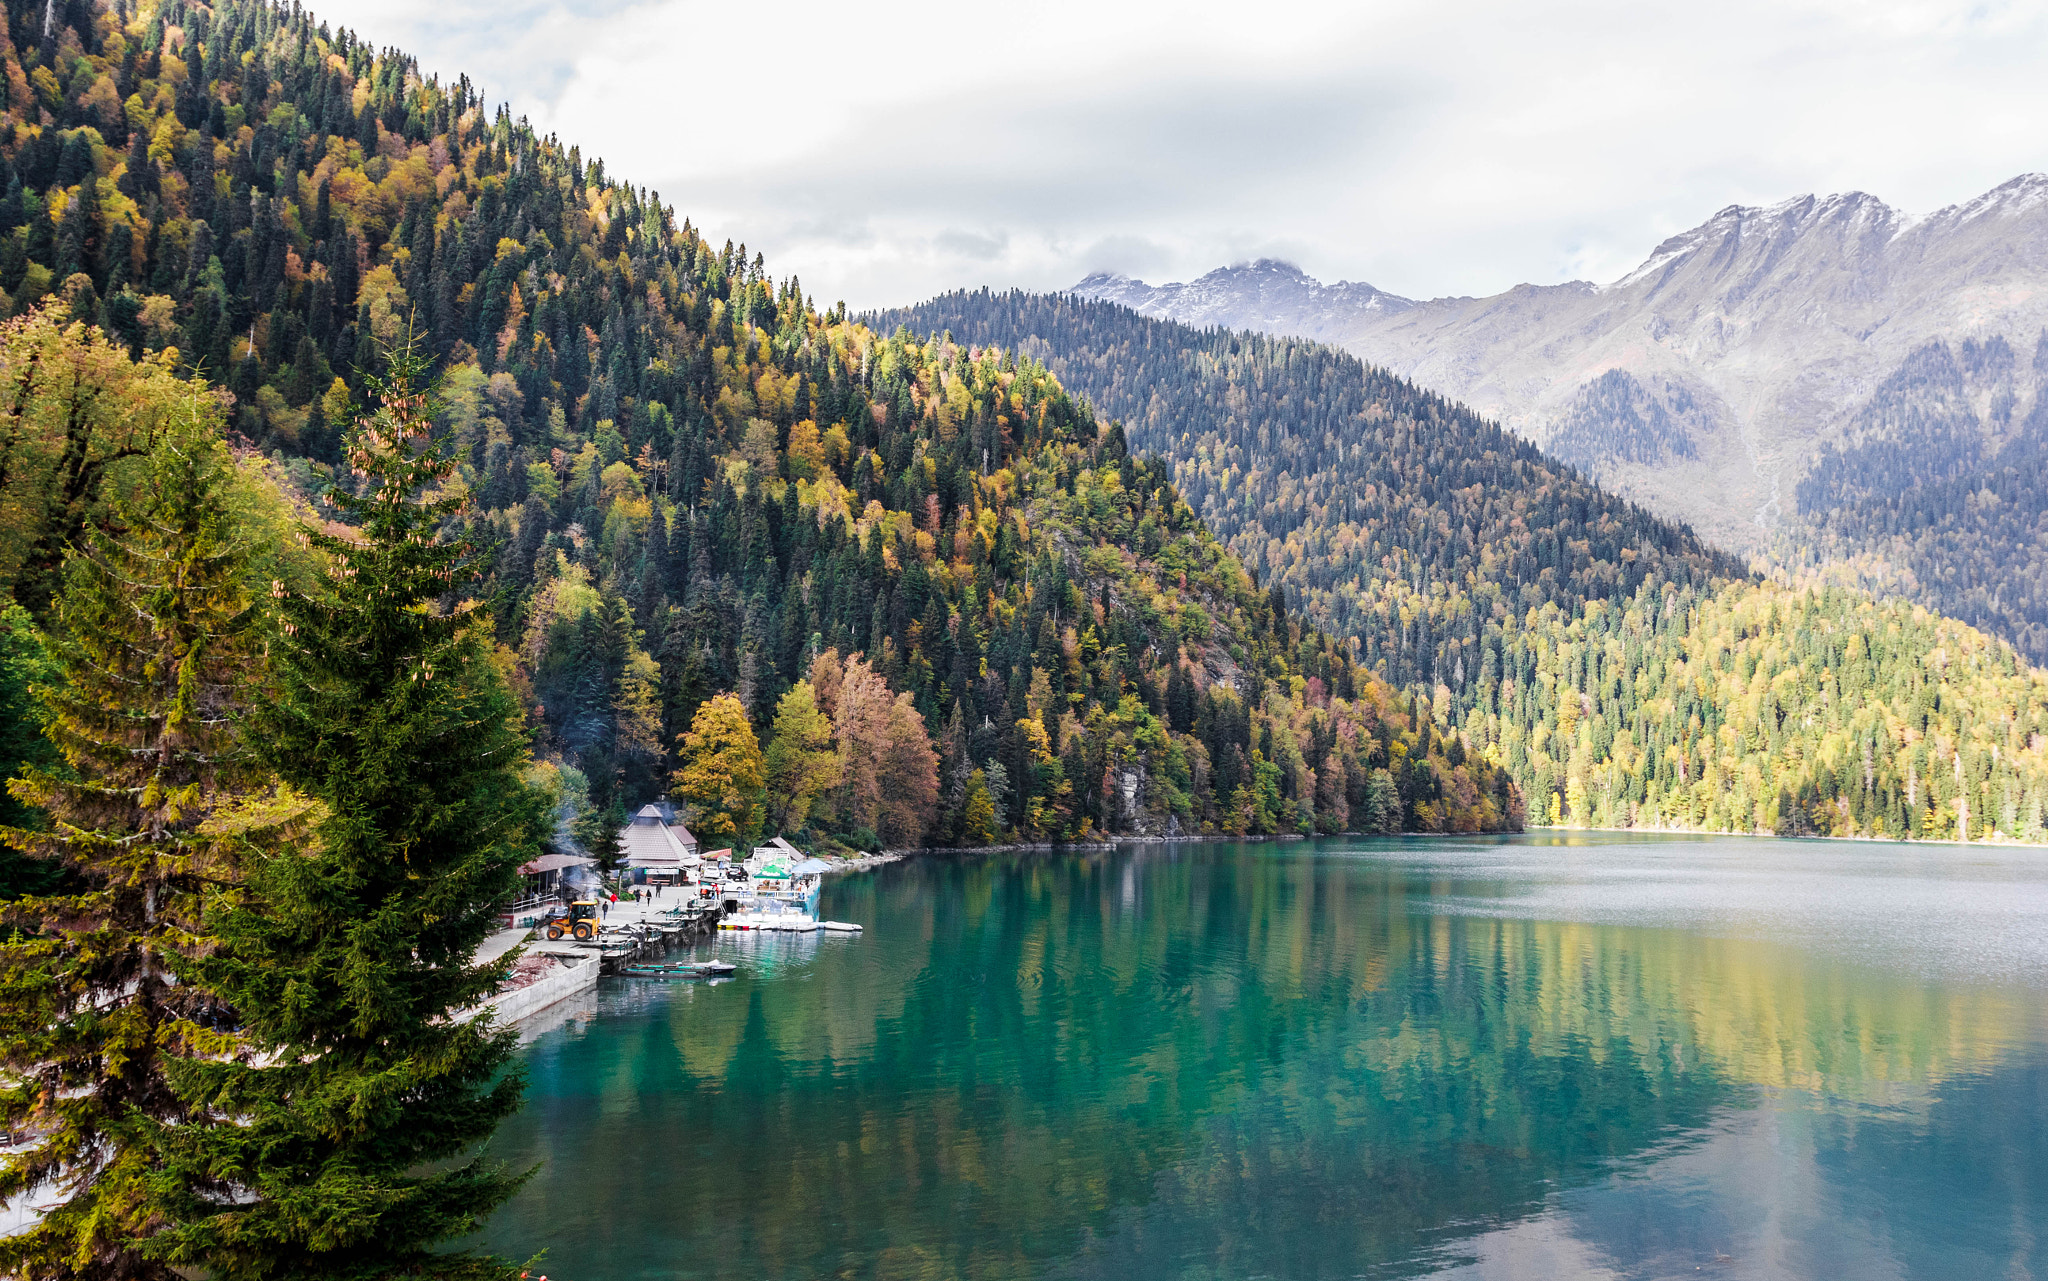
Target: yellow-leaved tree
[
  {"x": 721, "y": 778},
  {"x": 73, "y": 410},
  {"x": 801, "y": 763}
]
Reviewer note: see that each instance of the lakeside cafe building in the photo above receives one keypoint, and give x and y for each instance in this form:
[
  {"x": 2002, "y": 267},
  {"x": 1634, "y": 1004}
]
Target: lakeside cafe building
[
  {"x": 543, "y": 879},
  {"x": 657, "y": 849}
]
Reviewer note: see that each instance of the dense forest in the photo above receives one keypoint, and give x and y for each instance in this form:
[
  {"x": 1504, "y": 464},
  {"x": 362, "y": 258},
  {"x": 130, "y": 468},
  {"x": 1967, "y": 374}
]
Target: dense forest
[
  {"x": 697, "y": 485},
  {"x": 1940, "y": 490},
  {"x": 1386, "y": 512},
  {"x": 1491, "y": 580},
  {"x": 1763, "y": 708},
  {"x": 1616, "y": 419}
]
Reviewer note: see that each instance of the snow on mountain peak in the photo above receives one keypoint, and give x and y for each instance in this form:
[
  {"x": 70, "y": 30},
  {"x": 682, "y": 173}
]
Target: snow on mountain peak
[
  {"x": 2026, "y": 192},
  {"x": 1791, "y": 218},
  {"x": 1097, "y": 280},
  {"x": 1263, "y": 293}
]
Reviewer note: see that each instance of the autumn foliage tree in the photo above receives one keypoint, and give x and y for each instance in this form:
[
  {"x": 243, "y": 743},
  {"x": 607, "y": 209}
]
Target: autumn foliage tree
[
  {"x": 889, "y": 775},
  {"x": 801, "y": 764},
  {"x": 74, "y": 409},
  {"x": 721, "y": 778}
]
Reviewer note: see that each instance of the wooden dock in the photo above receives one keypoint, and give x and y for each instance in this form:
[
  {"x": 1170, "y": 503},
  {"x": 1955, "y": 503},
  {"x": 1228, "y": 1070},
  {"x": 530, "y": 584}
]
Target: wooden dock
[{"x": 649, "y": 933}]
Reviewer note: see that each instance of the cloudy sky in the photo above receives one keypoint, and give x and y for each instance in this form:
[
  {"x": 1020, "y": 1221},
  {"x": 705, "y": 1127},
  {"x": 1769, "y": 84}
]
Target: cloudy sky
[{"x": 888, "y": 150}]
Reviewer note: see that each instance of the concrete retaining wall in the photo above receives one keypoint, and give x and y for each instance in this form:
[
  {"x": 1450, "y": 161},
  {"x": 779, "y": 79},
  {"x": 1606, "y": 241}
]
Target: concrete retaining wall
[{"x": 576, "y": 976}]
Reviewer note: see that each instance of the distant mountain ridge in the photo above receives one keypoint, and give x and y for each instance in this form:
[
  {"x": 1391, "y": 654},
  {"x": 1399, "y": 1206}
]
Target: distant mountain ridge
[
  {"x": 1268, "y": 295},
  {"x": 1711, "y": 382}
]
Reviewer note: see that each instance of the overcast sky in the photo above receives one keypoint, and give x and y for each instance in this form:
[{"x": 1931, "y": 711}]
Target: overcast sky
[{"x": 888, "y": 150}]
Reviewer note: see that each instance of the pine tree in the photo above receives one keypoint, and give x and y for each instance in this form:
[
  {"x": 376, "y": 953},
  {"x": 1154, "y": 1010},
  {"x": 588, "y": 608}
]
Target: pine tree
[
  {"x": 349, "y": 963},
  {"x": 597, "y": 831},
  {"x": 152, "y": 657}
]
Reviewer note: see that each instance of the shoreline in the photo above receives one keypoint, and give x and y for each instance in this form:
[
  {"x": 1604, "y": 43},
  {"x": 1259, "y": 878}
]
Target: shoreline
[
  {"x": 882, "y": 857},
  {"x": 877, "y": 859},
  {"x": 2007, "y": 844},
  {"x": 898, "y": 855}
]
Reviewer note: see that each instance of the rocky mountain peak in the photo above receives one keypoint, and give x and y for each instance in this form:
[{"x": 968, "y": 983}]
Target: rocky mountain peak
[
  {"x": 1751, "y": 342},
  {"x": 1741, "y": 241},
  {"x": 1267, "y": 294},
  {"x": 2021, "y": 196}
]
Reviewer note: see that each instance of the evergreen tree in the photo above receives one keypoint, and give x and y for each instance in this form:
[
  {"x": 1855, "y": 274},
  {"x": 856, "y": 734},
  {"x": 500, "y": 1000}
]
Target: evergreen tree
[
  {"x": 151, "y": 657},
  {"x": 597, "y": 831},
  {"x": 24, "y": 664},
  {"x": 1382, "y": 804},
  {"x": 349, "y": 962}
]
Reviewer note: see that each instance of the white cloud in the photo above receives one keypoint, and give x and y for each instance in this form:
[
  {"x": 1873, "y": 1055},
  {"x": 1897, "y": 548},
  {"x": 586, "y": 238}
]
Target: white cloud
[{"x": 890, "y": 150}]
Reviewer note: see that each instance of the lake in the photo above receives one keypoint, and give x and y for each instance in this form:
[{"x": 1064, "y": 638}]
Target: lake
[{"x": 1550, "y": 1055}]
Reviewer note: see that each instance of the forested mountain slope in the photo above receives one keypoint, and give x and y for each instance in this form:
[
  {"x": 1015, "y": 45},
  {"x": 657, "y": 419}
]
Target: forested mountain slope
[
  {"x": 700, "y": 485},
  {"x": 1607, "y": 657},
  {"x": 1754, "y": 707},
  {"x": 1939, "y": 490},
  {"x": 993, "y": 620},
  {"x": 1389, "y": 513}
]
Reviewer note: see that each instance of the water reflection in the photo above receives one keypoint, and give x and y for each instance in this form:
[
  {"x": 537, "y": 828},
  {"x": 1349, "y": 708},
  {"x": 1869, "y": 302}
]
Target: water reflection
[{"x": 1385, "y": 1059}]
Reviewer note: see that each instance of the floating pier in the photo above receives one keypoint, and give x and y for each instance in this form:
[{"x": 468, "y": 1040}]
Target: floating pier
[{"x": 649, "y": 933}]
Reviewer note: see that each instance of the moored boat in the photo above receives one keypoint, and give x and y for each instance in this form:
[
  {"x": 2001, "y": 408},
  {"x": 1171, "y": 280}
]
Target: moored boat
[
  {"x": 679, "y": 969},
  {"x": 770, "y": 914},
  {"x": 782, "y": 871}
]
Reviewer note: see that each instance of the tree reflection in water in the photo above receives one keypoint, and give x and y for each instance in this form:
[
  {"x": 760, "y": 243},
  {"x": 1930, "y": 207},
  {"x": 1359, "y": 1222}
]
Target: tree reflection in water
[{"x": 1230, "y": 1061}]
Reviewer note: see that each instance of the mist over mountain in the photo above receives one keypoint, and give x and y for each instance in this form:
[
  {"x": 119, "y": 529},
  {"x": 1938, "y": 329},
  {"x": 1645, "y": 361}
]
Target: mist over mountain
[{"x": 1746, "y": 370}]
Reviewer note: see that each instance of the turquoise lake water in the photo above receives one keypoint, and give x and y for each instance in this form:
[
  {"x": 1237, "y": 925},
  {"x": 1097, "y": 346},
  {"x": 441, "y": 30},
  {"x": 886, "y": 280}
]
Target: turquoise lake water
[{"x": 1540, "y": 1056}]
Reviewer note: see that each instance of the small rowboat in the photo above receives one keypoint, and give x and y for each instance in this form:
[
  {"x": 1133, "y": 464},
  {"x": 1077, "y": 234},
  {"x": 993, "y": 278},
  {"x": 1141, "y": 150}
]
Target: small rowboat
[
  {"x": 839, "y": 927},
  {"x": 679, "y": 969}
]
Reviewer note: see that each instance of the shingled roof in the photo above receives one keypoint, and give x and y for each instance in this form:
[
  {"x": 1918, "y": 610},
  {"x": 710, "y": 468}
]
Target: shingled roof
[{"x": 650, "y": 841}]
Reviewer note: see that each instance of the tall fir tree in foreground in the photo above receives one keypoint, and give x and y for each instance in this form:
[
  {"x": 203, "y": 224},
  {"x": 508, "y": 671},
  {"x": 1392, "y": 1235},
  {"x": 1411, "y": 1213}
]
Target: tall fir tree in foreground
[
  {"x": 96, "y": 999},
  {"x": 349, "y": 963}
]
